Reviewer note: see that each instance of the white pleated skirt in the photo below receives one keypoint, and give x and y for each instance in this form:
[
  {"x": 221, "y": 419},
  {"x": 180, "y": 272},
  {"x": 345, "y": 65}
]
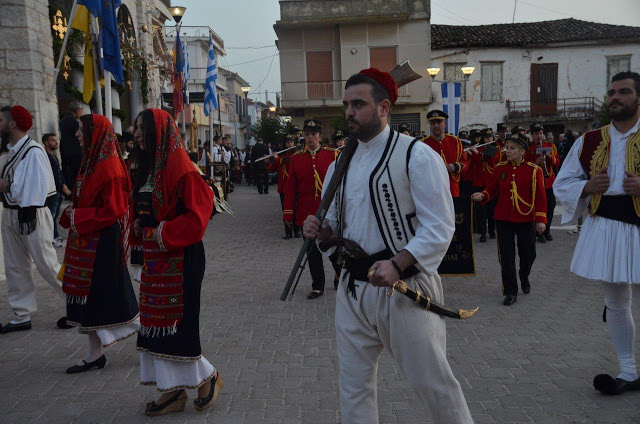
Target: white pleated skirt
[
  {"x": 608, "y": 250},
  {"x": 168, "y": 375}
]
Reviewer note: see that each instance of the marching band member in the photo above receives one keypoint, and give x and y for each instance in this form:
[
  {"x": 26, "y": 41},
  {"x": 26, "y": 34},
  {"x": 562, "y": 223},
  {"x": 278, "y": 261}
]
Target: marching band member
[
  {"x": 520, "y": 213},
  {"x": 548, "y": 165},
  {"x": 449, "y": 147},
  {"x": 280, "y": 164}
]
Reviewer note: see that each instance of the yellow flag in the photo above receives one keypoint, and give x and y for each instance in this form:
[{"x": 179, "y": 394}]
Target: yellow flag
[{"x": 82, "y": 23}]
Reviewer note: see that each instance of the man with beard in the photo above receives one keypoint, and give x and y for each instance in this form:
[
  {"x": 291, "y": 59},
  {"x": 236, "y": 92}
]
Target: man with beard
[
  {"x": 449, "y": 147},
  {"x": 601, "y": 175},
  {"x": 548, "y": 162},
  {"x": 405, "y": 239},
  {"x": 26, "y": 181},
  {"x": 303, "y": 193},
  {"x": 70, "y": 150}
]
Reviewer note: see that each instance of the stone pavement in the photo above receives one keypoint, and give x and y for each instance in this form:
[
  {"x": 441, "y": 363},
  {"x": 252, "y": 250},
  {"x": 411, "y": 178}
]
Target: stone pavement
[{"x": 533, "y": 362}]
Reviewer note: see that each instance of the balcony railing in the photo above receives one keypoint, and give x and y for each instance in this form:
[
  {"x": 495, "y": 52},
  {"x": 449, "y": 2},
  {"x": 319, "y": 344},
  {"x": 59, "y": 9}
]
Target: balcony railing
[
  {"x": 306, "y": 90},
  {"x": 569, "y": 109},
  {"x": 195, "y": 32}
]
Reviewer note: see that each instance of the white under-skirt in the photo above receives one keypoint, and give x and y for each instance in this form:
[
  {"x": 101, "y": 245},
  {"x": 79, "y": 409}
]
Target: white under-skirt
[
  {"x": 111, "y": 334},
  {"x": 168, "y": 375},
  {"x": 608, "y": 250}
]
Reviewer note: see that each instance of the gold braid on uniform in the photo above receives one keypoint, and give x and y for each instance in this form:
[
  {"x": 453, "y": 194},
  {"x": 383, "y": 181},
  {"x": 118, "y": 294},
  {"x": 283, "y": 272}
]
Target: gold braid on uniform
[
  {"x": 516, "y": 199},
  {"x": 318, "y": 181},
  {"x": 599, "y": 161},
  {"x": 633, "y": 163}
]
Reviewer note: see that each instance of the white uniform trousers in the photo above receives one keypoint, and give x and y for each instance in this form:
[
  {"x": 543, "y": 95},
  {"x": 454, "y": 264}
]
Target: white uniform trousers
[
  {"x": 415, "y": 338},
  {"x": 20, "y": 252}
]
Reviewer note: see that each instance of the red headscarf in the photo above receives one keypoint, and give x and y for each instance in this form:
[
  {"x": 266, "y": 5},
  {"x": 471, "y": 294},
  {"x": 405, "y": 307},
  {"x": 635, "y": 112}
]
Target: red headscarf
[{"x": 172, "y": 164}]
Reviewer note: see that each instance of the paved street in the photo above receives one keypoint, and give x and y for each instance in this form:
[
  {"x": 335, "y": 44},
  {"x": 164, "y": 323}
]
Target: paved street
[{"x": 530, "y": 363}]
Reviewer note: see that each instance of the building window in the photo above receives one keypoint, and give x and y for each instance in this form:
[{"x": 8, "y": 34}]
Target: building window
[
  {"x": 320, "y": 75},
  {"x": 383, "y": 58},
  {"x": 491, "y": 77},
  {"x": 617, "y": 64},
  {"x": 452, "y": 72}
]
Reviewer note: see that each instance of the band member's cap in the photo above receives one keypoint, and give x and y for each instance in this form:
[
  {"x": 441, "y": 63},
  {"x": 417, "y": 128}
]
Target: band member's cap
[
  {"x": 312, "y": 125},
  {"x": 338, "y": 134},
  {"x": 404, "y": 127},
  {"x": 536, "y": 126},
  {"x": 463, "y": 134},
  {"x": 437, "y": 115},
  {"x": 517, "y": 128},
  {"x": 289, "y": 137},
  {"x": 475, "y": 133},
  {"x": 385, "y": 80},
  {"x": 520, "y": 139},
  {"x": 501, "y": 126},
  {"x": 294, "y": 129},
  {"x": 487, "y": 132}
]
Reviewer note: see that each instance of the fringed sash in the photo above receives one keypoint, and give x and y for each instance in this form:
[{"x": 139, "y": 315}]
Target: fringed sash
[
  {"x": 77, "y": 269},
  {"x": 161, "y": 288}
]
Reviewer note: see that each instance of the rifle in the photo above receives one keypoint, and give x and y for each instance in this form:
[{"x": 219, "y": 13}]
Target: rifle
[
  {"x": 341, "y": 168},
  {"x": 402, "y": 74}
]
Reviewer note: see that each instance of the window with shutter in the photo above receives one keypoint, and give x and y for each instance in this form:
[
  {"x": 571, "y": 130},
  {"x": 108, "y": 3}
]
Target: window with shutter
[
  {"x": 491, "y": 77},
  {"x": 383, "y": 58},
  {"x": 452, "y": 72},
  {"x": 617, "y": 64}
]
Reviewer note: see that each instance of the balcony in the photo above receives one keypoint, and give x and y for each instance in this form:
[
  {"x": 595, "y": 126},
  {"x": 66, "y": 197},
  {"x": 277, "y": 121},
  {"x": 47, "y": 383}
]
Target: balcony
[
  {"x": 309, "y": 94},
  {"x": 569, "y": 109},
  {"x": 197, "y": 32}
]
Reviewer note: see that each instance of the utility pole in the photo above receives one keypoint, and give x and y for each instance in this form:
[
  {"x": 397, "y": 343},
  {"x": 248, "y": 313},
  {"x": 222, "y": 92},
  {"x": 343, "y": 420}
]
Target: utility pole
[{"x": 514, "y": 11}]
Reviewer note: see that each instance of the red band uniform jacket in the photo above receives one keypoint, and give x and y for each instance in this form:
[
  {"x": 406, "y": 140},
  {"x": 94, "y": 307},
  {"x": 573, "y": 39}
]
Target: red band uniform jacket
[
  {"x": 520, "y": 191},
  {"x": 452, "y": 152},
  {"x": 303, "y": 190},
  {"x": 553, "y": 161}
]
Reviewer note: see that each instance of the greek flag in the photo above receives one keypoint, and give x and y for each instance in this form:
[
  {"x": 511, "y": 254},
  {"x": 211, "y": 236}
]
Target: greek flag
[
  {"x": 187, "y": 71},
  {"x": 451, "y": 105},
  {"x": 210, "y": 96}
]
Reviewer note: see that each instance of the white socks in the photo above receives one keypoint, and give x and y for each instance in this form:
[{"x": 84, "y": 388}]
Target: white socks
[
  {"x": 621, "y": 326},
  {"x": 95, "y": 347}
]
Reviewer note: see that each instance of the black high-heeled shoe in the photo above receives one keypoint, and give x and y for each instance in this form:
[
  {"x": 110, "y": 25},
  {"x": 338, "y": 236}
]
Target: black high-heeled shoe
[
  {"x": 202, "y": 404},
  {"x": 99, "y": 363},
  {"x": 173, "y": 404}
]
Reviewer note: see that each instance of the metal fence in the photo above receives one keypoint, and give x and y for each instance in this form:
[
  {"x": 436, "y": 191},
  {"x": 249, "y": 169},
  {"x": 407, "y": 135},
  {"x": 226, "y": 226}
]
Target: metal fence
[
  {"x": 576, "y": 108},
  {"x": 306, "y": 90}
]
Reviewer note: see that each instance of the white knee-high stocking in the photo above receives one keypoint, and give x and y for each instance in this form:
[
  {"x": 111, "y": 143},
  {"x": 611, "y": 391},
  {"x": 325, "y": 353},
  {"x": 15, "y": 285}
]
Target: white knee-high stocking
[
  {"x": 95, "y": 347},
  {"x": 621, "y": 326}
]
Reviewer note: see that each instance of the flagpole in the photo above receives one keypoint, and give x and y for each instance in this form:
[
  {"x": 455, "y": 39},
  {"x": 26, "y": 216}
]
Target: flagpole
[
  {"x": 56, "y": 72},
  {"x": 96, "y": 68}
]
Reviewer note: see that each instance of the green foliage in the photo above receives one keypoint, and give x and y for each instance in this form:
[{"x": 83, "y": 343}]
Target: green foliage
[
  {"x": 269, "y": 129},
  {"x": 603, "y": 116},
  {"x": 119, "y": 113},
  {"x": 340, "y": 123}
]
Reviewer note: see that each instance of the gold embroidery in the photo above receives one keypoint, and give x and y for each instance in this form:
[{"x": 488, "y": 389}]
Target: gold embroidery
[
  {"x": 599, "y": 161},
  {"x": 633, "y": 163}
]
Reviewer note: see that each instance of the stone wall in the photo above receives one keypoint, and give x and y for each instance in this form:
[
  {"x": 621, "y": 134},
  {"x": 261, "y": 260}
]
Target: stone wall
[{"x": 26, "y": 62}]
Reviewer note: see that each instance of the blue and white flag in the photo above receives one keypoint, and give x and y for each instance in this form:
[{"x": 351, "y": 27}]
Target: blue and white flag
[
  {"x": 451, "y": 105},
  {"x": 187, "y": 71},
  {"x": 210, "y": 95}
]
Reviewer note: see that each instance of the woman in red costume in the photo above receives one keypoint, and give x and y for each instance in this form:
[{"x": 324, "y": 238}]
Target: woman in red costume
[
  {"x": 100, "y": 299},
  {"x": 172, "y": 208}
]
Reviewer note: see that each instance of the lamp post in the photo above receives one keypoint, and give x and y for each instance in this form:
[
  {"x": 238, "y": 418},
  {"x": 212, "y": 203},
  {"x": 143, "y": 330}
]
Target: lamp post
[
  {"x": 245, "y": 89},
  {"x": 466, "y": 72},
  {"x": 178, "y": 12}
]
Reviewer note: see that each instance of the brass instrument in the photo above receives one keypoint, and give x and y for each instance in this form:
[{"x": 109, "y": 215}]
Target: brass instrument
[{"x": 543, "y": 152}]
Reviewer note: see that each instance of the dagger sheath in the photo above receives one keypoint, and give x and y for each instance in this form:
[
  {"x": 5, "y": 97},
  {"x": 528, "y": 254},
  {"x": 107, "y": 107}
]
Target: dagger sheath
[{"x": 426, "y": 302}]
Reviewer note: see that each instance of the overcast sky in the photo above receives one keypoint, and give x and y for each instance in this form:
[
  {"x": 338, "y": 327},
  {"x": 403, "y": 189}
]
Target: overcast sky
[{"x": 246, "y": 26}]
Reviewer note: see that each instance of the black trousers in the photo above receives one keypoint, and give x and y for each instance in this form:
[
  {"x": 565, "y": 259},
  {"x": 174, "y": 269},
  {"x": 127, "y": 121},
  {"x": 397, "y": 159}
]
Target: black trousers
[
  {"x": 316, "y": 267},
  {"x": 551, "y": 205},
  {"x": 261, "y": 176},
  {"x": 491, "y": 209},
  {"x": 526, "y": 242},
  {"x": 70, "y": 169},
  {"x": 479, "y": 215},
  {"x": 289, "y": 228}
]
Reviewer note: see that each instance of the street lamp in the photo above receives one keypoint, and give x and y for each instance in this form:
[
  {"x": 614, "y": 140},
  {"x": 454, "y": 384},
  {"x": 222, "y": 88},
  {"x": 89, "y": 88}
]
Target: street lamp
[
  {"x": 177, "y": 12},
  {"x": 272, "y": 108},
  {"x": 245, "y": 89},
  {"x": 433, "y": 72},
  {"x": 467, "y": 71}
]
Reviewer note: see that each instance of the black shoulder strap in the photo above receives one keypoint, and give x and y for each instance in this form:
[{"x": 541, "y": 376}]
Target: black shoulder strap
[{"x": 409, "y": 155}]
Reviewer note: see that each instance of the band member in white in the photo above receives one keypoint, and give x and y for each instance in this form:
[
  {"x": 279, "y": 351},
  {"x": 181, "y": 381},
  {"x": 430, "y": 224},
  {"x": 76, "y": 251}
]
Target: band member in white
[
  {"x": 26, "y": 181},
  {"x": 601, "y": 176},
  {"x": 394, "y": 201}
]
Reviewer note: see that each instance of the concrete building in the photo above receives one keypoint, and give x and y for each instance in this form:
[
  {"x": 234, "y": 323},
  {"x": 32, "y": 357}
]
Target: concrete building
[
  {"x": 236, "y": 108},
  {"x": 323, "y": 42},
  {"x": 555, "y": 72}
]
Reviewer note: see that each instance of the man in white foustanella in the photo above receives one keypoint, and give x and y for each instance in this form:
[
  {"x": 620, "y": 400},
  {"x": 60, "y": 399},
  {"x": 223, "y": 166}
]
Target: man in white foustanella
[
  {"x": 26, "y": 181},
  {"x": 405, "y": 239},
  {"x": 601, "y": 176}
]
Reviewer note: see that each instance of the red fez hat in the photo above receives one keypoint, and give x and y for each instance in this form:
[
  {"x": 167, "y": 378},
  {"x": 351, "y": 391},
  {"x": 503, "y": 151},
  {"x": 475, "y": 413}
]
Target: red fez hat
[
  {"x": 22, "y": 118},
  {"x": 385, "y": 80}
]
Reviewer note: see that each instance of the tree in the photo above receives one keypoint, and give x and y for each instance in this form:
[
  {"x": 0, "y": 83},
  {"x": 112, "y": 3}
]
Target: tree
[
  {"x": 269, "y": 129},
  {"x": 340, "y": 123}
]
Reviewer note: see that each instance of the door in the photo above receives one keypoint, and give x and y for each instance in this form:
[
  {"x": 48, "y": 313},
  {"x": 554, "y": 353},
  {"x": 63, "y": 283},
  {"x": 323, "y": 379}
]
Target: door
[
  {"x": 544, "y": 89},
  {"x": 320, "y": 75}
]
